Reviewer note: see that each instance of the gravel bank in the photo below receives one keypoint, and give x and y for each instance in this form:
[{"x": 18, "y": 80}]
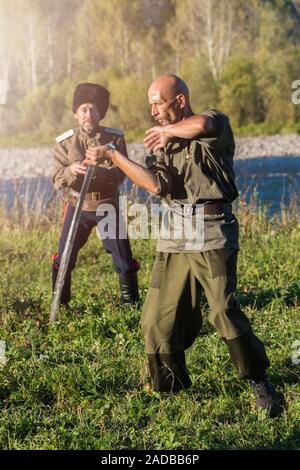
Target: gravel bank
[{"x": 33, "y": 162}]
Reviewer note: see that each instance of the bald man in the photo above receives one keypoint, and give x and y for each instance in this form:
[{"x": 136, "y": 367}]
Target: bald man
[{"x": 191, "y": 169}]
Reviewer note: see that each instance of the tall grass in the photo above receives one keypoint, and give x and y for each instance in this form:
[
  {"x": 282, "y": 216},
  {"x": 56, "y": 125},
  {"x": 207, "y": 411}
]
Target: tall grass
[
  {"x": 30, "y": 209},
  {"x": 83, "y": 383}
]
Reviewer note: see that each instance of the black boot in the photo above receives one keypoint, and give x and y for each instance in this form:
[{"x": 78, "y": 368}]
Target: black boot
[
  {"x": 129, "y": 288},
  {"x": 266, "y": 396},
  {"x": 66, "y": 292}
]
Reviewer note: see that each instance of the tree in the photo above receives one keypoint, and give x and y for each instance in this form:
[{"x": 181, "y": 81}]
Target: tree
[
  {"x": 275, "y": 60},
  {"x": 206, "y": 27},
  {"x": 239, "y": 94}
]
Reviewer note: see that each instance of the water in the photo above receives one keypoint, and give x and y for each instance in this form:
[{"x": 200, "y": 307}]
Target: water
[
  {"x": 26, "y": 191},
  {"x": 274, "y": 179}
]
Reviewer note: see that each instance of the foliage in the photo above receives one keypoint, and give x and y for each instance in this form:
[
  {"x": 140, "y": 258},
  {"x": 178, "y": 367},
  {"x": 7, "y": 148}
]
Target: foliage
[
  {"x": 239, "y": 94},
  {"x": 241, "y": 57}
]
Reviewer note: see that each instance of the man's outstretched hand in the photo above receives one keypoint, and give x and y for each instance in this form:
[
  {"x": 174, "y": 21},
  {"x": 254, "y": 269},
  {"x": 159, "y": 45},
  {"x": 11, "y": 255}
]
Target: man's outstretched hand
[{"x": 157, "y": 137}]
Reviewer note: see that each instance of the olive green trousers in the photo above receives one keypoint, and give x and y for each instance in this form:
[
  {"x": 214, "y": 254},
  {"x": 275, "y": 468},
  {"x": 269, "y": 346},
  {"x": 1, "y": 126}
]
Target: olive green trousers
[{"x": 172, "y": 320}]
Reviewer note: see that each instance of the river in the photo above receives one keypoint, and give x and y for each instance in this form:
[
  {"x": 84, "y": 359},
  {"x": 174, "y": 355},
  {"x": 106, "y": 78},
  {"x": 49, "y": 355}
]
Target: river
[{"x": 273, "y": 179}]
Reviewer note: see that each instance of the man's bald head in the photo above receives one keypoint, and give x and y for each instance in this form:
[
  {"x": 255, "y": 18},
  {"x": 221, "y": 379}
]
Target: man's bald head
[
  {"x": 168, "y": 96},
  {"x": 168, "y": 86}
]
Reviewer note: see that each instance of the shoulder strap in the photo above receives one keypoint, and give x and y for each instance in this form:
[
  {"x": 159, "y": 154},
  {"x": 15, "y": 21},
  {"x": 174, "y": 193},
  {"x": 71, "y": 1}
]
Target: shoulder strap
[{"x": 65, "y": 135}]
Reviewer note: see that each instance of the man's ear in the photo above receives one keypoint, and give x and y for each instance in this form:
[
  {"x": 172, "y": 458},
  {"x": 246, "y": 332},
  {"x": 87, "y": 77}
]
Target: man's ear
[{"x": 181, "y": 100}]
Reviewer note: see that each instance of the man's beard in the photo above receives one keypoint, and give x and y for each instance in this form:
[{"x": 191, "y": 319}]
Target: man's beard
[
  {"x": 89, "y": 127},
  {"x": 166, "y": 121},
  {"x": 162, "y": 122}
]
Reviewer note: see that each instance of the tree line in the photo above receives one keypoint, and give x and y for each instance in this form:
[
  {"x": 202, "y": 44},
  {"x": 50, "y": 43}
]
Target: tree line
[{"x": 239, "y": 56}]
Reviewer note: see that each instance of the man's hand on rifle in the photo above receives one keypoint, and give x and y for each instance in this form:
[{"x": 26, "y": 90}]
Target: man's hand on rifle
[
  {"x": 78, "y": 168},
  {"x": 98, "y": 156}
]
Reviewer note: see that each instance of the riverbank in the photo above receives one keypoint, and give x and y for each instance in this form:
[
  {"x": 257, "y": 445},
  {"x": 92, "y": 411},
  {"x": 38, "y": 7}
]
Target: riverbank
[{"x": 35, "y": 162}]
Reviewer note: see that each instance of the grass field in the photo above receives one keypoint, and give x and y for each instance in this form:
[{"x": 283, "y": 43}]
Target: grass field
[{"x": 83, "y": 382}]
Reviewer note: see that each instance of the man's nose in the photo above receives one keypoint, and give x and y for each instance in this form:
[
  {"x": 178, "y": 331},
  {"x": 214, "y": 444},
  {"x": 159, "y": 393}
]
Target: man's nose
[{"x": 153, "y": 110}]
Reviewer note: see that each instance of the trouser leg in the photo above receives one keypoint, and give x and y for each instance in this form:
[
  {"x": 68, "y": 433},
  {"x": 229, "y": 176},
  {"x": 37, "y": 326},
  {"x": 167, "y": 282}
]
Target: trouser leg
[
  {"x": 218, "y": 278},
  {"x": 171, "y": 321},
  {"x": 248, "y": 355},
  {"x": 121, "y": 254},
  {"x": 125, "y": 266},
  {"x": 83, "y": 231},
  {"x": 169, "y": 372}
]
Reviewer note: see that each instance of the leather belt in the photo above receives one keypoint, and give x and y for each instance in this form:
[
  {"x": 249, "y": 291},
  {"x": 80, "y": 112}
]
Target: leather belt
[
  {"x": 215, "y": 208},
  {"x": 209, "y": 208},
  {"x": 92, "y": 196}
]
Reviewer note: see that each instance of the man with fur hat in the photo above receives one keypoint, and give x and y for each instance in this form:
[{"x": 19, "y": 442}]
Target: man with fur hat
[{"x": 90, "y": 104}]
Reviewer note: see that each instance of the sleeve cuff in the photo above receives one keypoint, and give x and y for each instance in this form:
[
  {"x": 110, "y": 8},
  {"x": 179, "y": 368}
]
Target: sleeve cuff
[{"x": 70, "y": 178}]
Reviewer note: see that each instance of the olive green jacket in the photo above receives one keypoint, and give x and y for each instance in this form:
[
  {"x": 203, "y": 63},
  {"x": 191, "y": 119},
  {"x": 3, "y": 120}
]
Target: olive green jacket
[{"x": 197, "y": 171}]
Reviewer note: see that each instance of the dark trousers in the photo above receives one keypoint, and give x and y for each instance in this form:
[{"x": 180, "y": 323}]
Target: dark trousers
[{"x": 118, "y": 248}]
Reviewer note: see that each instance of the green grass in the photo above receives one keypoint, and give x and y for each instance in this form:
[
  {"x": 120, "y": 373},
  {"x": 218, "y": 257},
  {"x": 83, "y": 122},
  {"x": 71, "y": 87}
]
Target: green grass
[
  {"x": 266, "y": 128},
  {"x": 83, "y": 382}
]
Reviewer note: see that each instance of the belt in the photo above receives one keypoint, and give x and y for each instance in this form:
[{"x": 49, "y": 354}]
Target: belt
[
  {"x": 92, "y": 196},
  {"x": 215, "y": 208},
  {"x": 209, "y": 208}
]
